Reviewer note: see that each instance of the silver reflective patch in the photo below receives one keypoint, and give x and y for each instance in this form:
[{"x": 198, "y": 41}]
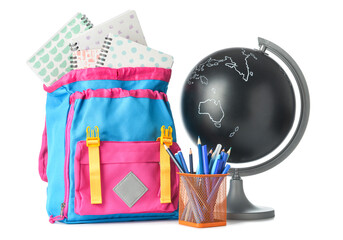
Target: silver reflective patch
[{"x": 130, "y": 189}]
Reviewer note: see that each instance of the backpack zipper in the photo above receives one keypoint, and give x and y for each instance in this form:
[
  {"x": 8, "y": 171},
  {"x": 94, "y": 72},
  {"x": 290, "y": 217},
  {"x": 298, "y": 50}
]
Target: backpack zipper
[
  {"x": 60, "y": 217},
  {"x": 64, "y": 206}
]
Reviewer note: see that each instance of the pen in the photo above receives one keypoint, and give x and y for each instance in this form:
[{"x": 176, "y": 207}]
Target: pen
[
  {"x": 226, "y": 169},
  {"x": 173, "y": 158}
]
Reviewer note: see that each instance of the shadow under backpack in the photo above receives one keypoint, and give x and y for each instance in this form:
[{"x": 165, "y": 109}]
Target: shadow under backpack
[{"x": 102, "y": 151}]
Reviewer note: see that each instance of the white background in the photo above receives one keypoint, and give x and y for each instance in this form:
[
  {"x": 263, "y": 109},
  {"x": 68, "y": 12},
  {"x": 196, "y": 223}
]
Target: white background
[{"x": 305, "y": 189}]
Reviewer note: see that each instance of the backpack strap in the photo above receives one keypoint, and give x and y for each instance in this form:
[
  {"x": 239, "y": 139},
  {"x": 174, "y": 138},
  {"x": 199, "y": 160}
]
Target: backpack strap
[
  {"x": 167, "y": 139},
  {"x": 93, "y": 144}
]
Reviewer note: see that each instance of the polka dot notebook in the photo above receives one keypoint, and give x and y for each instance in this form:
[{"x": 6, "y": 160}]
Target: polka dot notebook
[
  {"x": 51, "y": 61},
  {"x": 118, "y": 52},
  {"x": 125, "y": 25}
]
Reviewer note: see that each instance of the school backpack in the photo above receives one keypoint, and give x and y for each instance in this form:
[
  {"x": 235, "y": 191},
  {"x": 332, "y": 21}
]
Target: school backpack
[{"x": 102, "y": 152}]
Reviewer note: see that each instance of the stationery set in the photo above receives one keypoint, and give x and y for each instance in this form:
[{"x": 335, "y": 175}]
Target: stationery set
[
  {"x": 203, "y": 194},
  {"x": 118, "y": 42},
  {"x": 109, "y": 150}
]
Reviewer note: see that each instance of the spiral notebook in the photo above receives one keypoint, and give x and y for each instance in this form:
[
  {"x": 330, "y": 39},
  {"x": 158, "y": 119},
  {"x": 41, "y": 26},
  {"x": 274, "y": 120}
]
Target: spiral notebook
[
  {"x": 84, "y": 58},
  {"x": 51, "y": 61},
  {"x": 120, "y": 52},
  {"x": 125, "y": 25}
]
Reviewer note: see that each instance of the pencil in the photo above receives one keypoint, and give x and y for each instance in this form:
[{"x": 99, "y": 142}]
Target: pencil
[
  {"x": 173, "y": 158},
  {"x": 183, "y": 162},
  {"x": 205, "y": 159},
  {"x": 190, "y": 161},
  {"x": 228, "y": 153},
  {"x": 200, "y": 168},
  {"x": 210, "y": 154}
]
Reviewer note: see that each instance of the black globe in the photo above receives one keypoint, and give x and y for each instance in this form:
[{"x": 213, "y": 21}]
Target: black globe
[{"x": 240, "y": 98}]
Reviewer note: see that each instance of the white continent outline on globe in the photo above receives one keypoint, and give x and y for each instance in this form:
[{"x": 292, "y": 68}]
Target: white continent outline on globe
[
  {"x": 217, "y": 103},
  {"x": 234, "y": 132},
  {"x": 234, "y": 65},
  {"x": 231, "y": 64}
]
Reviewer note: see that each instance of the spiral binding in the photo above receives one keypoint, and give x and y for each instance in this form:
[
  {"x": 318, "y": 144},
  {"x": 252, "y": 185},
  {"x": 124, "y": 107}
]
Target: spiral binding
[
  {"x": 104, "y": 51},
  {"x": 86, "y": 21},
  {"x": 73, "y": 62},
  {"x": 74, "y": 46}
]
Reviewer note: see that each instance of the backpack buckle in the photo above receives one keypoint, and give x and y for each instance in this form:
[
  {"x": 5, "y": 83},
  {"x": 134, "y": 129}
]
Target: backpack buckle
[
  {"x": 92, "y": 140},
  {"x": 166, "y": 136}
]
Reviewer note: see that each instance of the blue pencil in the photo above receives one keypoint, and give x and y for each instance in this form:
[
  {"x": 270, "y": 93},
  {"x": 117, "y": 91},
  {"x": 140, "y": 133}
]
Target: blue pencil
[
  {"x": 179, "y": 161},
  {"x": 225, "y": 158},
  {"x": 209, "y": 155},
  {"x": 205, "y": 159},
  {"x": 190, "y": 161},
  {"x": 215, "y": 162},
  {"x": 200, "y": 166},
  {"x": 218, "y": 166},
  {"x": 183, "y": 162}
]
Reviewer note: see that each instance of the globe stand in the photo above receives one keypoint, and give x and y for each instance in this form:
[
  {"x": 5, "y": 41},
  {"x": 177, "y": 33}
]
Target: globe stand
[{"x": 238, "y": 205}]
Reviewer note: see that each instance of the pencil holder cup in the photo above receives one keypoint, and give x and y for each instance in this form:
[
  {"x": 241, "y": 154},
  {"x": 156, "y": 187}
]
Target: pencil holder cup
[{"x": 202, "y": 200}]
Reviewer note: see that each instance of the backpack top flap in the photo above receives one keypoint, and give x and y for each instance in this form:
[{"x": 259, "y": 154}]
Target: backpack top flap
[{"x": 156, "y": 79}]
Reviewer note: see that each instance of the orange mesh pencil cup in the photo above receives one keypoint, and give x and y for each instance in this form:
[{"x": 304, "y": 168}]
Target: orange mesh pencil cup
[{"x": 202, "y": 200}]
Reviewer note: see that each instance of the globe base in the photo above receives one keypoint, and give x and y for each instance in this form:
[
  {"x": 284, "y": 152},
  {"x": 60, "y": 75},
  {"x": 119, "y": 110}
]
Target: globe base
[{"x": 238, "y": 205}]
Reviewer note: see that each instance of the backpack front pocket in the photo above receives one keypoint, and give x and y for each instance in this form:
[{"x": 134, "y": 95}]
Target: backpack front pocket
[{"x": 130, "y": 179}]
